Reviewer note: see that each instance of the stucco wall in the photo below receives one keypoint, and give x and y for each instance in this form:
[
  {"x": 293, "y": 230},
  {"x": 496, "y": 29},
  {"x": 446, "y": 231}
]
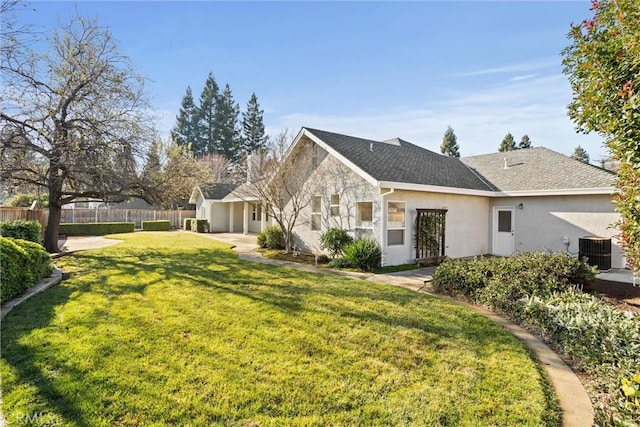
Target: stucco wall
[
  {"x": 466, "y": 226},
  {"x": 543, "y": 222},
  {"x": 219, "y": 217}
]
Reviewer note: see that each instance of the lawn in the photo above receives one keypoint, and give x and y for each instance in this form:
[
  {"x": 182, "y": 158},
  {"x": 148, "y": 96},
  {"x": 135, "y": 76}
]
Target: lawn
[{"x": 173, "y": 329}]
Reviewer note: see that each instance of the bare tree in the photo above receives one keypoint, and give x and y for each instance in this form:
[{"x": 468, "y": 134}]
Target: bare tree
[
  {"x": 281, "y": 183},
  {"x": 73, "y": 120}
]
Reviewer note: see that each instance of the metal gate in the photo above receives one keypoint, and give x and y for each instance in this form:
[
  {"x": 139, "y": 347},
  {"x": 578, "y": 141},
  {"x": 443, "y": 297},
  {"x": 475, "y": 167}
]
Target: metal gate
[{"x": 430, "y": 227}]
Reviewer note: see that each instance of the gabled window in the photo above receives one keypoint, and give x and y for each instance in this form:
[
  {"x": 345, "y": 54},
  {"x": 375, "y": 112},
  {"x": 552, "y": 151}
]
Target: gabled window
[
  {"x": 316, "y": 213},
  {"x": 395, "y": 223},
  {"x": 335, "y": 205}
]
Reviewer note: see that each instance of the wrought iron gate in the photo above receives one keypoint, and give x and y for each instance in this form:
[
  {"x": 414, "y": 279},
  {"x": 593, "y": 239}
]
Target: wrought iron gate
[{"x": 430, "y": 227}]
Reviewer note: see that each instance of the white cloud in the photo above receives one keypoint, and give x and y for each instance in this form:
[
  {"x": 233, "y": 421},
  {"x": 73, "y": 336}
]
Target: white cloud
[
  {"x": 522, "y": 67},
  {"x": 524, "y": 77}
]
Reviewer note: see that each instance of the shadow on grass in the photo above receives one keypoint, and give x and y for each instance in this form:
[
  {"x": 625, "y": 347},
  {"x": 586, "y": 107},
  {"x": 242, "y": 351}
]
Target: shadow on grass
[{"x": 128, "y": 270}]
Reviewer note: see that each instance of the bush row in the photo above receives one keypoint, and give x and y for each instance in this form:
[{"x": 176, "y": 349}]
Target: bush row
[
  {"x": 21, "y": 229},
  {"x": 160, "y": 225},
  {"x": 542, "y": 291},
  {"x": 23, "y": 264},
  {"x": 96, "y": 228}
]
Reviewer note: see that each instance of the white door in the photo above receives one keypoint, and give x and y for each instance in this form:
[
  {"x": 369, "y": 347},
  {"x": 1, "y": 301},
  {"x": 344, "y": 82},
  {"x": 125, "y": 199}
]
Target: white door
[{"x": 503, "y": 230}]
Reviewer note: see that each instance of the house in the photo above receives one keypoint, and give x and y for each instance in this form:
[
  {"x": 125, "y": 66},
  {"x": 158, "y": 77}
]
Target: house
[{"x": 422, "y": 205}]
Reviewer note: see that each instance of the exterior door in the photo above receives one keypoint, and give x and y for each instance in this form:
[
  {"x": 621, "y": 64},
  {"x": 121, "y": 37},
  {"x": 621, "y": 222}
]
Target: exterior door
[{"x": 503, "y": 230}]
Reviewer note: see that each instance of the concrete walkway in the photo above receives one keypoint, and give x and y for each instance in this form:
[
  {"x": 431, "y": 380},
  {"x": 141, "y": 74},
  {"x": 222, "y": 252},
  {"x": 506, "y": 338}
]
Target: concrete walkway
[{"x": 573, "y": 399}]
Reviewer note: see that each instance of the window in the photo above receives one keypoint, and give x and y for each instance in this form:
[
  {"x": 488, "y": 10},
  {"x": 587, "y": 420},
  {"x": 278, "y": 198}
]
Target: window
[
  {"x": 256, "y": 212},
  {"x": 316, "y": 213},
  {"x": 395, "y": 223},
  {"x": 364, "y": 214},
  {"x": 335, "y": 205},
  {"x": 504, "y": 221}
]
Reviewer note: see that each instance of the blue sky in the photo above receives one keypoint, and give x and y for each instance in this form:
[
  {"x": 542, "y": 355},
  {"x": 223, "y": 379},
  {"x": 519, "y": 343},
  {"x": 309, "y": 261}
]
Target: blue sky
[{"x": 371, "y": 69}]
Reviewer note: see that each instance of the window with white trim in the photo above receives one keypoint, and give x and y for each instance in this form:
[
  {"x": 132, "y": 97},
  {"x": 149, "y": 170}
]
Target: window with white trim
[
  {"x": 395, "y": 223},
  {"x": 335, "y": 205},
  {"x": 316, "y": 213},
  {"x": 364, "y": 214},
  {"x": 256, "y": 212}
]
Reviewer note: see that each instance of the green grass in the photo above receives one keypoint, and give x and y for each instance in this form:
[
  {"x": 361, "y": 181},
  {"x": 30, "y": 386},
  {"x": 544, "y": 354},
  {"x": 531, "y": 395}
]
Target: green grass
[
  {"x": 395, "y": 268},
  {"x": 173, "y": 329}
]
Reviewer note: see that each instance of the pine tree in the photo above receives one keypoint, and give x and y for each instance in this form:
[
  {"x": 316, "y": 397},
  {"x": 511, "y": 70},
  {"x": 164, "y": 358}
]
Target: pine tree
[
  {"x": 580, "y": 154},
  {"x": 228, "y": 134},
  {"x": 525, "y": 142},
  {"x": 207, "y": 132},
  {"x": 253, "y": 135},
  {"x": 184, "y": 132},
  {"x": 449, "y": 146},
  {"x": 508, "y": 143}
]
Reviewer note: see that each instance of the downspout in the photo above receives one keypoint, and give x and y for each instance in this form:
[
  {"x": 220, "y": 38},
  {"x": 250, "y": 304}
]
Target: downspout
[{"x": 383, "y": 222}]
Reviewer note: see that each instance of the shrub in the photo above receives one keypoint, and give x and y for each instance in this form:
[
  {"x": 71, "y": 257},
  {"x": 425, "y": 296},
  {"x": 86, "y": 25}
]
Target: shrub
[
  {"x": 23, "y": 263},
  {"x": 262, "y": 239},
  {"x": 21, "y": 229},
  {"x": 503, "y": 283},
  {"x": 188, "y": 224},
  {"x": 364, "y": 254},
  {"x": 334, "y": 240},
  {"x": 273, "y": 237},
  {"x": 201, "y": 225},
  {"x": 340, "y": 262},
  {"x": 160, "y": 225},
  {"x": 96, "y": 228}
]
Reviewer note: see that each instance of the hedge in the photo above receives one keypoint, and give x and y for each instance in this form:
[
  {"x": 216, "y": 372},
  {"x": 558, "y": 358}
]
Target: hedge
[
  {"x": 160, "y": 225},
  {"x": 188, "y": 224},
  {"x": 21, "y": 229},
  {"x": 96, "y": 228},
  {"x": 201, "y": 225},
  {"x": 23, "y": 264}
]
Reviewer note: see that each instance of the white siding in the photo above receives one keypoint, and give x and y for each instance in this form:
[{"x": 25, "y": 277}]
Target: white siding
[
  {"x": 219, "y": 217},
  {"x": 543, "y": 222}
]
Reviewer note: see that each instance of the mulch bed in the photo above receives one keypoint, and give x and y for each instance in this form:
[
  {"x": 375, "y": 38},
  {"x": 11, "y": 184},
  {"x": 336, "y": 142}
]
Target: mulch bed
[{"x": 624, "y": 296}]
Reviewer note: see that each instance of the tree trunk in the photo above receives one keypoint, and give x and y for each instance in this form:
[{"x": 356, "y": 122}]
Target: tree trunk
[{"x": 53, "y": 227}]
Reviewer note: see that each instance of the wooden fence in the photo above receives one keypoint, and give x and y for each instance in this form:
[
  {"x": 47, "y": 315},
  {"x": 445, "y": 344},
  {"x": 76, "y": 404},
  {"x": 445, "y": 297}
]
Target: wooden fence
[{"x": 99, "y": 215}]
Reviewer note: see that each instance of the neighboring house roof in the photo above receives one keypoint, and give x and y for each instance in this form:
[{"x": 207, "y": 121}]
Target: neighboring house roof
[
  {"x": 399, "y": 161},
  {"x": 212, "y": 192},
  {"x": 538, "y": 169}
]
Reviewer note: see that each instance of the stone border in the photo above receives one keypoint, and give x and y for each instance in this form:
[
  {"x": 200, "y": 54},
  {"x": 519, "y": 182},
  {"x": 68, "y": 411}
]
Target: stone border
[{"x": 38, "y": 288}]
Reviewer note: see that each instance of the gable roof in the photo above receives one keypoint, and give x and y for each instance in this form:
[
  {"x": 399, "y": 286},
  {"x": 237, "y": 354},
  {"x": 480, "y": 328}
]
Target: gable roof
[
  {"x": 538, "y": 169},
  {"x": 212, "y": 192},
  {"x": 399, "y": 161}
]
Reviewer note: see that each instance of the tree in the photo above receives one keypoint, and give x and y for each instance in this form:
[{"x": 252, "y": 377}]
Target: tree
[
  {"x": 603, "y": 66},
  {"x": 508, "y": 143},
  {"x": 207, "y": 129},
  {"x": 580, "y": 154},
  {"x": 449, "y": 146},
  {"x": 185, "y": 132},
  {"x": 80, "y": 112},
  {"x": 226, "y": 119},
  {"x": 253, "y": 136},
  {"x": 282, "y": 186},
  {"x": 525, "y": 142}
]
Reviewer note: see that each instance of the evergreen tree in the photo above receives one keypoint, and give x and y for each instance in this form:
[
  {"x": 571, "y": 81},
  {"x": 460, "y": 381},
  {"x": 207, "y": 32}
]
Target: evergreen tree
[
  {"x": 580, "y": 154},
  {"x": 184, "y": 132},
  {"x": 152, "y": 170},
  {"x": 229, "y": 140},
  {"x": 508, "y": 143},
  {"x": 449, "y": 146},
  {"x": 253, "y": 136},
  {"x": 525, "y": 142},
  {"x": 207, "y": 132}
]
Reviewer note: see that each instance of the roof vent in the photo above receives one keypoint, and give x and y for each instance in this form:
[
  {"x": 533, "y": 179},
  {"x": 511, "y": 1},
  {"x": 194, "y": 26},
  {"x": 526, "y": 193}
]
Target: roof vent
[
  {"x": 393, "y": 141},
  {"x": 371, "y": 147},
  {"x": 506, "y": 163}
]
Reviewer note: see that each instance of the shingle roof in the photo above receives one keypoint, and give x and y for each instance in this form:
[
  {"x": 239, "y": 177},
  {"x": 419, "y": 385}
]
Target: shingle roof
[
  {"x": 397, "y": 160},
  {"x": 217, "y": 191},
  {"x": 539, "y": 168}
]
